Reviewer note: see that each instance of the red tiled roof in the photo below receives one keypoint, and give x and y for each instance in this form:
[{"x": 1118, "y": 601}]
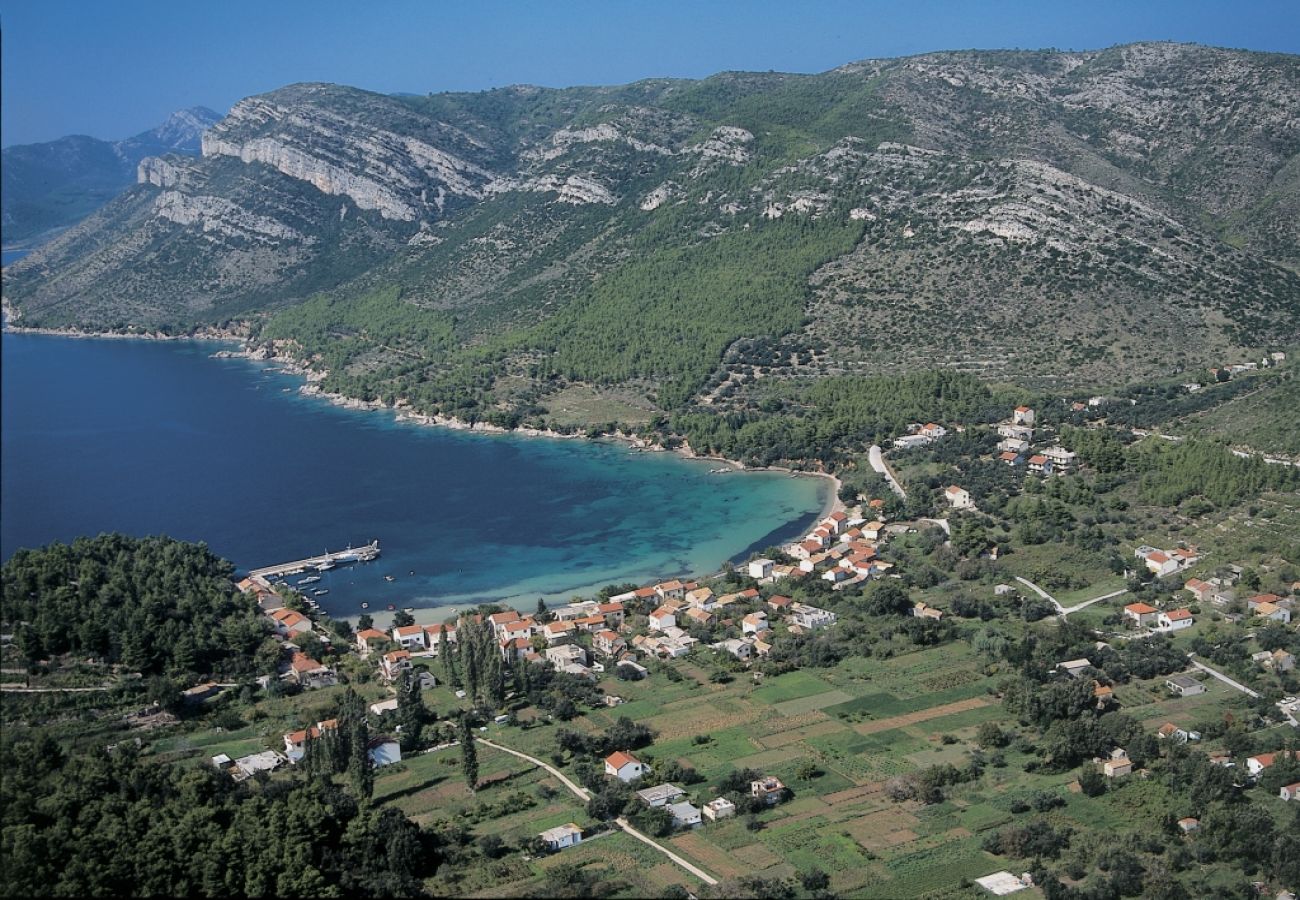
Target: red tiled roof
[{"x": 619, "y": 759}]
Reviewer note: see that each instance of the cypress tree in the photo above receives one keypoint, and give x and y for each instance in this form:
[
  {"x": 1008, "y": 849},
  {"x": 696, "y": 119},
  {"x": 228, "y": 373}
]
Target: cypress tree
[{"x": 468, "y": 753}]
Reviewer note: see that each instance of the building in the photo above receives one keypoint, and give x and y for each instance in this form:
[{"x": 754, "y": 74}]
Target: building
[
  {"x": 660, "y": 794},
  {"x": 721, "y": 808},
  {"x": 1062, "y": 460},
  {"x": 958, "y": 497},
  {"x": 811, "y": 617},
  {"x": 1118, "y": 765},
  {"x": 760, "y": 568},
  {"x": 1290, "y": 792},
  {"x": 248, "y": 766},
  {"x": 565, "y": 655},
  {"x": 1257, "y": 764},
  {"x": 1141, "y": 614},
  {"x": 287, "y": 622},
  {"x": 1074, "y": 667},
  {"x": 608, "y": 643},
  {"x": 1157, "y": 562},
  {"x": 561, "y": 836},
  {"x": 1023, "y": 415},
  {"x": 685, "y": 815},
  {"x": 383, "y": 751},
  {"x": 1189, "y": 825},
  {"x": 369, "y": 640},
  {"x": 624, "y": 766},
  {"x": 308, "y": 673},
  {"x": 1039, "y": 464},
  {"x": 409, "y": 637},
  {"x": 742, "y": 650},
  {"x": 1203, "y": 591},
  {"x": 383, "y": 707},
  {"x": 662, "y": 619},
  {"x": 1184, "y": 685},
  {"x": 1175, "y": 620},
  {"x": 295, "y": 742},
  {"x": 1278, "y": 612},
  {"x": 754, "y": 623},
  {"x": 769, "y": 789},
  {"x": 393, "y": 663}
]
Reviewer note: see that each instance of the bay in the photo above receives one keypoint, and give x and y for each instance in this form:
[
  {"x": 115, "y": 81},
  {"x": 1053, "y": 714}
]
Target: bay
[{"x": 149, "y": 437}]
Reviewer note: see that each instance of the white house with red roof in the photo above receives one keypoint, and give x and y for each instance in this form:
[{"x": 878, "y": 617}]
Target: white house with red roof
[
  {"x": 369, "y": 639},
  {"x": 1141, "y": 613},
  {"x": 670, "y": 590},
  {"x": 613, "y": 613},
  {"x": 409, "y": 637},
  {"x": 624, "y": 766},
  {"x": 1175, "y": 620},
  {"x": 1203, "y": 591},
  {"x": 1257, "y": 764},
  {"x": 393, "y": 663},
  {"x": 608, "y": 643},
  {"x": 1289, "y": 792},
  {"x": 288, "y": 622},
  {"x": 433, "y": 636},
  {"x": 958, "y": 497},
  {"x": 662, "y": 619},
  {"x": 1158, "y": 562}
]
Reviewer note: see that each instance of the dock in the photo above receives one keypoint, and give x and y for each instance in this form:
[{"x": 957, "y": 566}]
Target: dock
[{"x": 337, "y": 557}]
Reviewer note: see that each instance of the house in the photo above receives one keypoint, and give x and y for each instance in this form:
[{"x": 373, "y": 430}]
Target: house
[
  {"x": 248, "y": 766},
  {"x": 383, "y": 707},
  {"x": 1102, "y": 693},
  {"x": 565, "y": 654},
  {"x": 1157, "y": 561},
  {"x": 1018, "y": 432},
  {"x": 637, "y": 670},
  {"x": 561, "y": 836},
  {"x": 697, "y": 616},
  {"x": 660, "y": 794},
  {"x": 684, "y": 815},
  {"x": 1184, "y": 685},
  {"x": 1039, "y": 464},
  {"x": 779, "y": 603},
  {"x": 310, "y": 674},
  {"x": 742, "y": 650},
  {"x": 1289, "y": 792},
  {"x": 662, "y": 619},
  {"x": 513, "y": 649},
  {"x": 369, "y": 640},
  {"x": 701, "y": 597},
  {"x": 295, "y": 742},
  {"x": 1257, "y": 764},
  {"x": 670, "y": 590},
  {"x": 871, "y": 531},
  {"x": 558, "y": 632},
  {"x": 1175, "y": 620},
  {"x": 1282, "y": 661},
  {"x": 1278, "y": 612},
  {"x": 1062, "y": 460},
  {"x": 433, "y": 636},
  {"x": 836, "y": 575},
  {"x": 958, "y": 497},
  {"x": 383, "y": 751},
  {"x": 200, "y": 692},
  {"x": 760, "y": 568},
  {"x": 1189, "y": 825},
  {"x": 608, "y": 643},
  {"x": 499, "y": 619},
  {"x": 1171, "y": 732},
  {"x": 811, "y": 617},
  {"x": 1118, "y": 765},
  {"x": 923, "y": 610},
  {"x": 393, "y": 663},
  {"x": 1009, "y": 457},
  {"x": 769, "y": 789},
  {"x": 288, "y": 622},
  {"x": 624, "y": 766},
  {"x": 1074, "y": 667},
  {"x": 721, "y": 808},
  {"x": 911, "y": 441},
  {"x": 1017, "y": 447},
  {"x": 1022, "y": 415},
  {"x": 1141, "y": 613},
  {"x": 613, "y": 613},
  {"x": 409, "y": 637},
  {"x": 1203, "y": 591},
  {"x": 754, "y": 623}
]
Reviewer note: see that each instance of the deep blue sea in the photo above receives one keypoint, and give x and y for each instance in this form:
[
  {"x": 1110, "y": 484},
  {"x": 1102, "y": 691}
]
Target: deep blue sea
[{"x": 149, "y": 437}]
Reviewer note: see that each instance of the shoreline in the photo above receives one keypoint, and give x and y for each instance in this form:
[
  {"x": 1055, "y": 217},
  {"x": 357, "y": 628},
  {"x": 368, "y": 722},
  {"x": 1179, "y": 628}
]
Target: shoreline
[{"x": 279, "y": 356}]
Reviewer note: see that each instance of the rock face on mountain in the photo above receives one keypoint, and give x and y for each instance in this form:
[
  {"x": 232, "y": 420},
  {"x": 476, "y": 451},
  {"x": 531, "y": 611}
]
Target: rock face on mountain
[
  {"x": 1046, "y": 215},
  {"x": 52, "y": 185}
]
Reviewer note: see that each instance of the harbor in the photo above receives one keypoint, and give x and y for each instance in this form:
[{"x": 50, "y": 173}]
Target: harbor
[{"x": 322, "y": 563}]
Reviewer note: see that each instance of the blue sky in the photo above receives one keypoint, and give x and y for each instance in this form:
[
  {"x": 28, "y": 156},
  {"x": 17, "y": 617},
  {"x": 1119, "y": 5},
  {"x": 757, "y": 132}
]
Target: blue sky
[{"x": 112, "y": 68}]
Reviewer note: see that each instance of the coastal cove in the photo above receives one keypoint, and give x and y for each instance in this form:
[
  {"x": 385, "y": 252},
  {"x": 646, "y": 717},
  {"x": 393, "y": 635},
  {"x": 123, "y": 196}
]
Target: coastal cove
[{"x": 151, "y": 437}]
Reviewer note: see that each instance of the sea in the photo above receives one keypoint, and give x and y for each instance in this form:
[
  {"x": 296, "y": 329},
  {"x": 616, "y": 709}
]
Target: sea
[{"x": 160, "y": 437}]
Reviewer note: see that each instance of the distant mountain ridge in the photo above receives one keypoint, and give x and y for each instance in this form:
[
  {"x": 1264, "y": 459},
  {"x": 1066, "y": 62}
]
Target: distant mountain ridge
[
  {"x": 57, "y": 183},
  {"x": 1055, "y": 216}
]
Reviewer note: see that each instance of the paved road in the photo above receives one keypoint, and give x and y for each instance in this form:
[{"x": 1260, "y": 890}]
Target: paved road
[
  {"x": 878, "y": 463},
  {"x": 584, "y": 795},
  {"x": 1224, "y": 678},
  {"x": 1066, "y": 610}
]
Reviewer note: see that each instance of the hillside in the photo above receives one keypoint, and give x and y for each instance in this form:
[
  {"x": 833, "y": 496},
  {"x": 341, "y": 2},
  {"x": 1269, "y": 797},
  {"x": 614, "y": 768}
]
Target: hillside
[
  {"x": 1057, "y": 218},
  {"x": 55, "y": 184}
]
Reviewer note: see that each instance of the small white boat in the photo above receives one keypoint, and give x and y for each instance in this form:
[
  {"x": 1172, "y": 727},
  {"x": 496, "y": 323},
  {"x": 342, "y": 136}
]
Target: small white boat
[
  {"x": 310, "y": 579},
  {"x": 321, "y": 593}
]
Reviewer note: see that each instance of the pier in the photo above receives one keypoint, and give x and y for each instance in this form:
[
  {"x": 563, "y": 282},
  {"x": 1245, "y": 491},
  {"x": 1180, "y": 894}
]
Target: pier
[{"x": 350, "y": 555}]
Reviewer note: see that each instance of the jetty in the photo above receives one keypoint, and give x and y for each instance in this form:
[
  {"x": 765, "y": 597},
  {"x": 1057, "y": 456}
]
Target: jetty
[{"x": 350, "y": 555}]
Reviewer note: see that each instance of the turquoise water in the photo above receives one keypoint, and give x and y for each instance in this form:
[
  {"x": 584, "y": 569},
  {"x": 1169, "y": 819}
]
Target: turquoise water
[{"x": 150, "y": 437}]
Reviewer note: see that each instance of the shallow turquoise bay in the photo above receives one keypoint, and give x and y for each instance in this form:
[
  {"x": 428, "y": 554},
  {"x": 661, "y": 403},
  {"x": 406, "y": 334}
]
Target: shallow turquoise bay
[{"x": 152, "y": 437}]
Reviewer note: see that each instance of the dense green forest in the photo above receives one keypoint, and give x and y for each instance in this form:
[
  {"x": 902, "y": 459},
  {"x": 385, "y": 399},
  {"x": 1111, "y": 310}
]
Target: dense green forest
[
  {"x": 153, "y": 605},
  {"x": 107, "y": 824},
  {"x": 1172, "y": 472}
]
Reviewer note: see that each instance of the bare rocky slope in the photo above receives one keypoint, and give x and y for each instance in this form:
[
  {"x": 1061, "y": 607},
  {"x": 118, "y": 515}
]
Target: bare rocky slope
[{"x": 1043, "y": 215}]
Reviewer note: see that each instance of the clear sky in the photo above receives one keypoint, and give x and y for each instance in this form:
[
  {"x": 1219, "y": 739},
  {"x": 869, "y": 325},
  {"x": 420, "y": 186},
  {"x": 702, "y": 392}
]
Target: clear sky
[{"x": 112, "y": 68}]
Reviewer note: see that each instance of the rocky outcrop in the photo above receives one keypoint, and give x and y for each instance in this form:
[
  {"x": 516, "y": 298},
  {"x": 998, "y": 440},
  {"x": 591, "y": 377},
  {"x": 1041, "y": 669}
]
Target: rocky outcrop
[{"x": 217, "y": 217}]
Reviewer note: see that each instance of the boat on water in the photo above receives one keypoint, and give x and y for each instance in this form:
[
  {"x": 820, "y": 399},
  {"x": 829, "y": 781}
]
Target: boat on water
[
  {"x": 325, "y": 566},
  {"x": 392, "y": 606},
  {"x": 321, "y": 593},
  {"x": 365, "y": 605},
  {"x": 389, "y": 578},
  {"x": 310, "y": 579}
]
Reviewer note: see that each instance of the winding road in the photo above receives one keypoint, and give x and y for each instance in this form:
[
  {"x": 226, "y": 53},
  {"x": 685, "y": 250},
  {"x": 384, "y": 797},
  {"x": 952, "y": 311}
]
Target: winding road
[
  {"x": 584, "y": 795},
  {"x": 877, "y": 461},
  {"x": 1064, "y": 611}
]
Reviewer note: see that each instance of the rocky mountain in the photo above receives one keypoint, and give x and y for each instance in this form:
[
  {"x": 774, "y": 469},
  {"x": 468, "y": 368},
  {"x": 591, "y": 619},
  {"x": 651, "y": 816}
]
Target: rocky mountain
[
  {"x": 54, "y": 184},
  {"x": 1045, "y": 216}
]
